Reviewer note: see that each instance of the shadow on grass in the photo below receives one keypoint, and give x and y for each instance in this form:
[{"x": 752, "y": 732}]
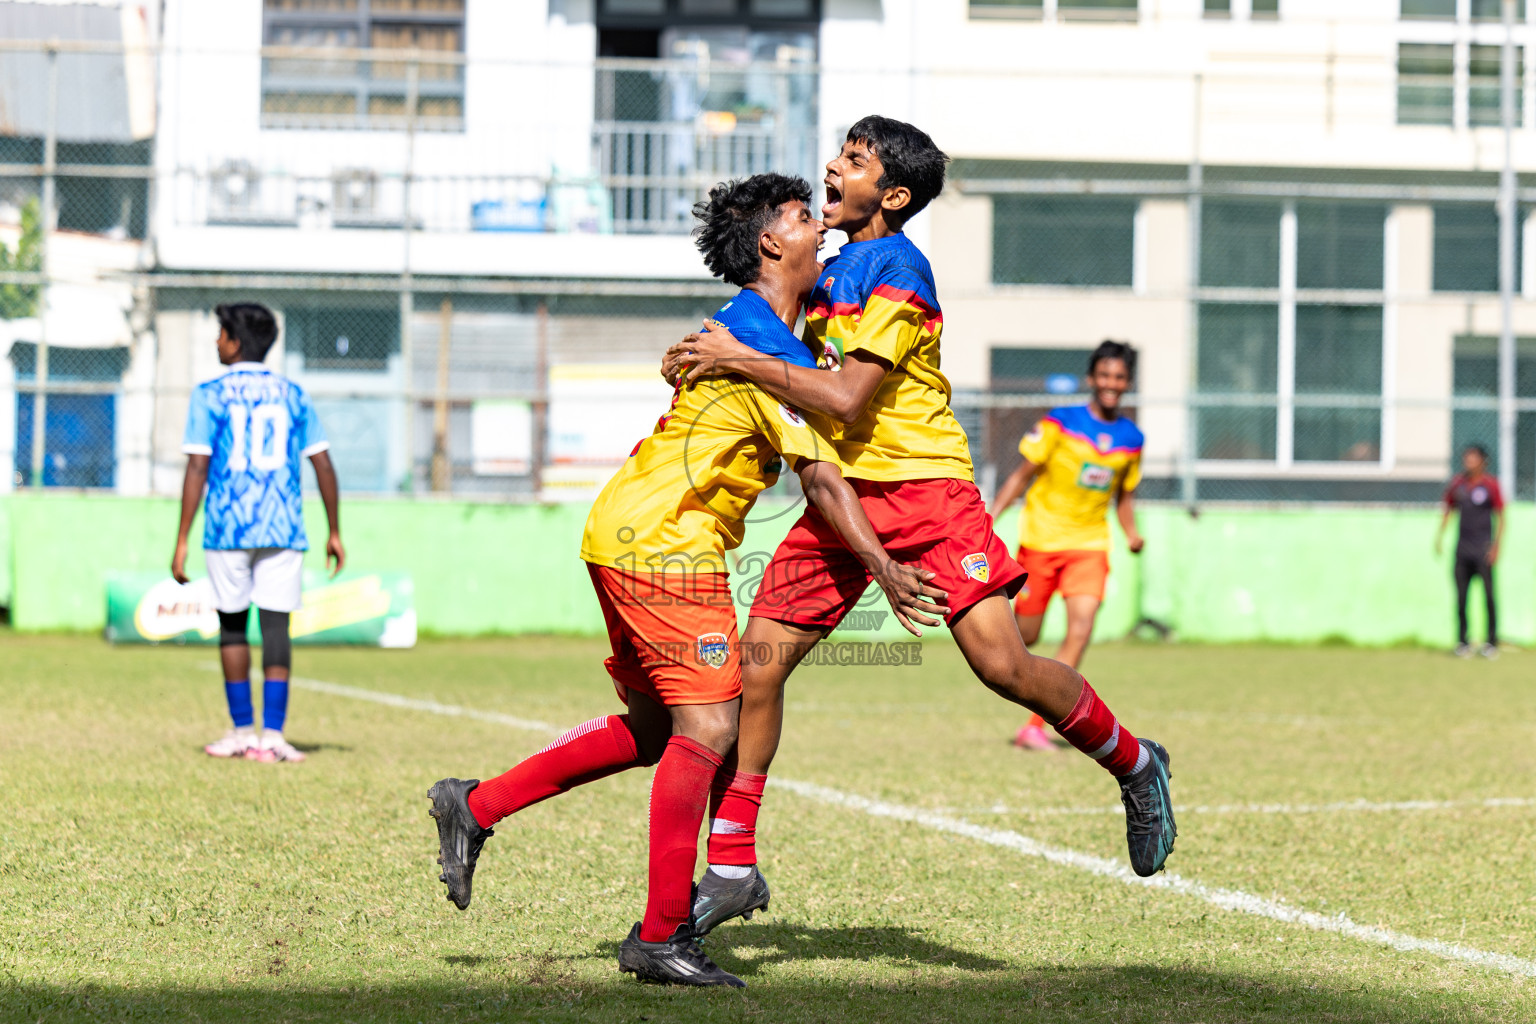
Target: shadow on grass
[
  {"x": 311, "y": 748},
  {"x": 745, "y": 949},
  {"x": 559, "y": 990}
]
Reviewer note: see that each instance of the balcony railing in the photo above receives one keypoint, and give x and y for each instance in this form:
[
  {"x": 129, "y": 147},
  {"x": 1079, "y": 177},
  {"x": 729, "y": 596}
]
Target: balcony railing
[{"x": 634, "y": 158}]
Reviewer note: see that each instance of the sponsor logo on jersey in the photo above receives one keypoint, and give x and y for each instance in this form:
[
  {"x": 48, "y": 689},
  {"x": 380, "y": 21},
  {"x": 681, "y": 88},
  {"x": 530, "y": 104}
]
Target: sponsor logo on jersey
[
  {"x": 789, "y": 414},
  {"x": 714, "y": 649},
  {"x": 831, "y": 356},
  {"x": 975, "y": 566},
  {"x": 1095, "y": 477},
  {"x": 1479, "y": 495},
  {"x": 1104, "y": 442}
]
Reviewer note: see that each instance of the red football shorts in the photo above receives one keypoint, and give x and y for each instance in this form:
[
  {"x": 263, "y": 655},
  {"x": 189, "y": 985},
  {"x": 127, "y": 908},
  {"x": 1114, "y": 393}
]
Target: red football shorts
[
  {"x": 1069, "y": 573},
  {"x": 673, "y": 635},
  {"x": 940, "y": 525}
]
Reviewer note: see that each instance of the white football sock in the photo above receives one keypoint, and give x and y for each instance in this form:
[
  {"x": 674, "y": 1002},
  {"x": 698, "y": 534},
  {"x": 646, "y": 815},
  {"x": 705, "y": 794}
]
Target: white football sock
[
  {"x": 1141, "y": 760},
  {"x": 730, "y": 871}
]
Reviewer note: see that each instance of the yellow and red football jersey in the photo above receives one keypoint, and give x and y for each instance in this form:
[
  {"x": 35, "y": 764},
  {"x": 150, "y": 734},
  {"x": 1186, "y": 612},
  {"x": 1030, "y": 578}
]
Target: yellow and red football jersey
[
  {"x": 681, "y": 500},
  {"x": 1084, "y": 461},
  {"x": 879, "y": 297}
]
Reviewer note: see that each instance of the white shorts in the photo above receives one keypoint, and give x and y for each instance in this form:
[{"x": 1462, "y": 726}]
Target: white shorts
[{"x": 270, "y": 578}]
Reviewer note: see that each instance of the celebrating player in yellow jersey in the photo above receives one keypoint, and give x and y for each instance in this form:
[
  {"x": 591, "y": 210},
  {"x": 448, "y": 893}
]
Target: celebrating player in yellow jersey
[
  {"x": 655, "y": 547},
  {"x": 874, "y": 322},
  {"x": 1077, "y": 459}
]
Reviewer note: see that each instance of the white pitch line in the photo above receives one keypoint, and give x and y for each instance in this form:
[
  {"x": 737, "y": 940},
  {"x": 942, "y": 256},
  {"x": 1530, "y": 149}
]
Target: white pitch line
[
  {"x": 432, "y": 707},
  {"x": 1362, "y": 806},
  {"x": 1227, "y": 899}
]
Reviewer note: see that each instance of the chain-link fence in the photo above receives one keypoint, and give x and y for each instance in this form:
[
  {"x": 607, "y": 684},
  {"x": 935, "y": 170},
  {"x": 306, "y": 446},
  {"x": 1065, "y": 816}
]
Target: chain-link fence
[{"x": 1307, "y": 334}]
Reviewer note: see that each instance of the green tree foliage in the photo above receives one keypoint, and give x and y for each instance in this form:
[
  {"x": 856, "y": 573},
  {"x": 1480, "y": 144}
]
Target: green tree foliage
[{"x": 20, "y": 300}]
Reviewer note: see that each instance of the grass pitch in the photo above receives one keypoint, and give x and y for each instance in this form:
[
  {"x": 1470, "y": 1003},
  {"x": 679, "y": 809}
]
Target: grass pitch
[{"x": 141, "y": 879}]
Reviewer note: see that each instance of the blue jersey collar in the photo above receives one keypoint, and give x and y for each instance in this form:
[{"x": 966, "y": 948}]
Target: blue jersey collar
[{"x": 899, "y": 238}]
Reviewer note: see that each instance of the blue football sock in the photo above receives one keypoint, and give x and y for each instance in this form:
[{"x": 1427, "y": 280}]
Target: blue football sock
[
  {"x": 274, "y": 704},
  {"x": 238, "y": 693}
]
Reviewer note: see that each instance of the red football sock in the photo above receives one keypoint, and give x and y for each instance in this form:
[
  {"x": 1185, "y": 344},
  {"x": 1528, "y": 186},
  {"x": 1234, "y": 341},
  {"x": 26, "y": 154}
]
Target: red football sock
[
  {"x": 1092, "y": 728},
  {"x": 591, "y": 751},
  {"x": 734, "y": 800},
  {"x": 679, "y": 795}
]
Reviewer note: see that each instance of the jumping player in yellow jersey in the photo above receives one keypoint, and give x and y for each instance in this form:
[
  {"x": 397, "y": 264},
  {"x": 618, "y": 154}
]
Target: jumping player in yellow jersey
[
  {"x": 655, "y": 546},
  {"x": 1077, "y": 460},
  {"x": 874, "y": 322}
]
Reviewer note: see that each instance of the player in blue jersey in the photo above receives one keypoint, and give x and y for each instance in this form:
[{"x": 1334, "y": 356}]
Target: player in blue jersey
[{"x": 248, "y": 433}]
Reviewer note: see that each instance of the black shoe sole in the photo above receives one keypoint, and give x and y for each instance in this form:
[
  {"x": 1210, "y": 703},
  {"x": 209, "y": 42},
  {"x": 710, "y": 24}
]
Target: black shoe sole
[{"x": 648, "y": 977}]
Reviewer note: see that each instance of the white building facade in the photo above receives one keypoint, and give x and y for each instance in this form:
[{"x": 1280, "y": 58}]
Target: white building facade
[{"x": 473, "y": 215}]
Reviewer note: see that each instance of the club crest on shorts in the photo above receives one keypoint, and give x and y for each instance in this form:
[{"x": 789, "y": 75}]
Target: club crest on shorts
[
  {"x": 714, "y": 649},
  {"x": 975, "y": 566}
]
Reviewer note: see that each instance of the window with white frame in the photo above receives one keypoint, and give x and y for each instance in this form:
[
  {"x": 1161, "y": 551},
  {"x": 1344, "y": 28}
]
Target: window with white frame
[
  {"x": 308, "y": 87},
  {"x": 1291, "y": 332},
  {"x": 1449, "y": 62}
]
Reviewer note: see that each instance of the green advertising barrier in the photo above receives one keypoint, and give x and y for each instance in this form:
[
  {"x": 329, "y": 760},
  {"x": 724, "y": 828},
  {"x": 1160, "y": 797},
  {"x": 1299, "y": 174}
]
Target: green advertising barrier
[
  {"x": 365, "y": 609},
  {"x": 1364, "y": 575}
]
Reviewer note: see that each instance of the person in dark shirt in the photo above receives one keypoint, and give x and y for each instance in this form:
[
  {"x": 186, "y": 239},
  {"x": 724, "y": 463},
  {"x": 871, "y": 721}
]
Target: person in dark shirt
[{"x": 1475, "y": 495}]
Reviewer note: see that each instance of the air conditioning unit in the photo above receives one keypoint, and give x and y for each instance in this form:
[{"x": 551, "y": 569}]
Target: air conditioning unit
[
  {"x": 234, "y": 192},
  {"x": 354, "y": 192}
]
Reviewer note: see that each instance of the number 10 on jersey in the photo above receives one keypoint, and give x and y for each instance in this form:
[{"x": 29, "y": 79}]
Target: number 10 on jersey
[{"x": 268, "y": 447}]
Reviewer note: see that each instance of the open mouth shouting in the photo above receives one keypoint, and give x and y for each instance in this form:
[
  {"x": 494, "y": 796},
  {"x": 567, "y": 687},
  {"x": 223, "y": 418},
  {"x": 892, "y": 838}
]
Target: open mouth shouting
[{"x": 834, "y": 203}]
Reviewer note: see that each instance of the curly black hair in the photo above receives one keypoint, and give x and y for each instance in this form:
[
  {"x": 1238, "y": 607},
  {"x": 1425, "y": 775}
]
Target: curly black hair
[
  {"x": 733, "y": 216},
  {"x": 908, "y": 158}
]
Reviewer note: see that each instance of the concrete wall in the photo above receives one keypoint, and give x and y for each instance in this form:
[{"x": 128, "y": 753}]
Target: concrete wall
[{"x": 1362, "y": 575}]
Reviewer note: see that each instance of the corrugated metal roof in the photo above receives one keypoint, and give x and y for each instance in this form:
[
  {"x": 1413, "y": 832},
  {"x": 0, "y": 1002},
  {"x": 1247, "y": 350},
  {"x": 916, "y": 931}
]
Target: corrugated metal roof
[{"x": 93, "y": 98}]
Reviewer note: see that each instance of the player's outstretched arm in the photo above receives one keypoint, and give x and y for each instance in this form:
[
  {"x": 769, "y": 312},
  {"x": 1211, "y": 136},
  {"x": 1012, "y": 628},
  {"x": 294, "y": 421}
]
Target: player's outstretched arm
[
  {"x": 843, "y": 396},
  {"x": 904, "y": 586},
  {"x": 192, "y": 485},
  {"x": 1014, "y": 487},
  {"x": 325, "y": 479}
]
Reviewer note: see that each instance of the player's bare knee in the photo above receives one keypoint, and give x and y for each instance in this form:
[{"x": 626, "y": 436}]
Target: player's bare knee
[
  {"x": 713, "y": 725},
  {"x": 718, "y": 734}
]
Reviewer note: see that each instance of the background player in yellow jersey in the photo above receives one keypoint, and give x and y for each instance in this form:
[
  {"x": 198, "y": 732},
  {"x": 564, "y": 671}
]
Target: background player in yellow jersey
[{"x": 1077, "y": 460}]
